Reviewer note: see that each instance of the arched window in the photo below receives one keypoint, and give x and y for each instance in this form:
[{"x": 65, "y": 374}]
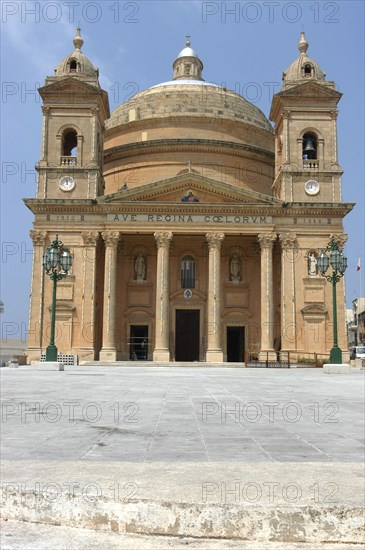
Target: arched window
[
  {"x": 308, "y": 69},
  {"x": 188, "y": 272},
  {"x": 309, "y": 146},
  {"x": 69, "y": 143},
  {"x": 73, "y": 65}
]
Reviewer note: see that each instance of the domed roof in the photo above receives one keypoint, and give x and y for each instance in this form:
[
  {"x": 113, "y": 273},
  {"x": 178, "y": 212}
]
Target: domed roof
[
  {"x": 303, "y": 68},
  {"x": 188, "y": 95},
  {"x": 187, "y": 52},
  {"x": 76, "y": 63},
  {"x": 189, "y": 98}
]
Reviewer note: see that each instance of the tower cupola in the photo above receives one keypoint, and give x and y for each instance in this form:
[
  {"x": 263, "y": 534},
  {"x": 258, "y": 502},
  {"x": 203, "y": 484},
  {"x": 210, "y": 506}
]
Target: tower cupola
[
  {"x": 76, "y": 63},
  {"x": 187, "y": 65},
  {"x": 303, "y": 68}
]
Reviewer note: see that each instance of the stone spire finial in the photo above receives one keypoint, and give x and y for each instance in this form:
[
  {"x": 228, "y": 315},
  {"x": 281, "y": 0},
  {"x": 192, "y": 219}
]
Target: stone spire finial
[
  {"x": 78, "y": 41},
  {"x": 303, "y": 44},
  {"x": 188, "y": 42}
]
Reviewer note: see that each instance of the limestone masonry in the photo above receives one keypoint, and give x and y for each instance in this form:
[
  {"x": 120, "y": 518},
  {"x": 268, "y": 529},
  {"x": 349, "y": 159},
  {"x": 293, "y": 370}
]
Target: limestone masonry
[{"x": 194, "y": 224}]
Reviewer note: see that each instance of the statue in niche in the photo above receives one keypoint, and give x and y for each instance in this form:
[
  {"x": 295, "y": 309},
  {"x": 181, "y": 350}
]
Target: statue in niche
[
  {"x": 235, "y": 268},
  {"x": 312, "y": 265},
  {"x": 140, "y": 268}
]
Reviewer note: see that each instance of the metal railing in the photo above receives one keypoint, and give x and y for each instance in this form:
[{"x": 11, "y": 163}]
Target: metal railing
[{"x": 285, "y": 359}]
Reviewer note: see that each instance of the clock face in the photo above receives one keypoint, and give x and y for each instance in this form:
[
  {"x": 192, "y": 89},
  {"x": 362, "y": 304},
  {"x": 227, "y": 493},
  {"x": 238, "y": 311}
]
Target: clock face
[
  {"x": 67, "y": 183},
  {"x": 311, "y": 187}
]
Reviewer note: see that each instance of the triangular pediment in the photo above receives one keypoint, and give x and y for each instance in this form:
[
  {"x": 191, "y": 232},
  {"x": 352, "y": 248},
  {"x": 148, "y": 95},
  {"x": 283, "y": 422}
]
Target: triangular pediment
[
  {"x": 189, "y": 188},
  {"x": 310, "y": 89},
  {"x": 67, "y": 84}
]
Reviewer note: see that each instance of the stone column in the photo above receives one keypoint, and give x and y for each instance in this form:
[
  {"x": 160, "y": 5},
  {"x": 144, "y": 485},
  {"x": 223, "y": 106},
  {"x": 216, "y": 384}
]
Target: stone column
[
  {"x": 36, "y": 327},
  {"x": 214, "y": 347},
  {"x": 87, "y": 349},
  {"x": 266, "y": 241},
  {"x": 108, "y": 351},
  {"x": 288, "y": 298},
  {"x": 162, "y": 351}
]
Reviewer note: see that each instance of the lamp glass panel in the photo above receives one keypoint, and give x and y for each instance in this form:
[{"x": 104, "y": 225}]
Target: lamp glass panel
[
  {"x": 343, "y": 264},
  {"x": 335, "y": 259},
  {"x": 323, "y": 263},
  {"x": 66, "y": 261},
  {"x": 53, "y": 257}
]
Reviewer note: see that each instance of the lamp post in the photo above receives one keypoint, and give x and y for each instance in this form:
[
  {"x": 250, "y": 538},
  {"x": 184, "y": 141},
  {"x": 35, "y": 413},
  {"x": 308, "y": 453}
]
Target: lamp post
[
  {"x": 332, "y": 256},
  {"x": 57, "y": 261}
]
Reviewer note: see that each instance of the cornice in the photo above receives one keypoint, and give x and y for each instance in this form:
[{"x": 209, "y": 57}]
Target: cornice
[
  {"x": 64, "y": 207},
  {"x": 176, "y": 145}
]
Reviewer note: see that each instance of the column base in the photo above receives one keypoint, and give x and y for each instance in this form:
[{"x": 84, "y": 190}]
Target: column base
[
  {"x": 162, "y": 355},
  {"x": 267, "y": 355},
  {"x": 108, "y": 354},
  {"x": 86, "y": 354},
  {"x": 214, "y": 356}
]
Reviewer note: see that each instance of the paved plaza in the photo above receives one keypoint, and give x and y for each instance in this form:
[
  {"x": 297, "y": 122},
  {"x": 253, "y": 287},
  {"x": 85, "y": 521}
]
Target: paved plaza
[
  {"x": 182, "y": 414},
  {"x": 182, "y": 451}
]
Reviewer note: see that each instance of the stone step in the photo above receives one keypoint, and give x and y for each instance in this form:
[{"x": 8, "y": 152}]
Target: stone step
[{"x": 261, "y": 503}]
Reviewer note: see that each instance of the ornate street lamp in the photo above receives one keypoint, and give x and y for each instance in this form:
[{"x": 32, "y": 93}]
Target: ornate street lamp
[
  {"x": 57, "y": 262},
  {"x": 332, "y": 256}
]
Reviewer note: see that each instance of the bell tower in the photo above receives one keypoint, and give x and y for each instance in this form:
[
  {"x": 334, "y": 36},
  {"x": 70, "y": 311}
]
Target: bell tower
[
  {"x": 74, "y": 110},
  {"x": 305, "y": 117}
]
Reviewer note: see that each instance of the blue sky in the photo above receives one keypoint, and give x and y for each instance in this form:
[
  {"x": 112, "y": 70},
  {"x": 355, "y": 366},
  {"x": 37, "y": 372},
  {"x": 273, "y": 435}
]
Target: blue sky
[{"x": 245, "y": 45}]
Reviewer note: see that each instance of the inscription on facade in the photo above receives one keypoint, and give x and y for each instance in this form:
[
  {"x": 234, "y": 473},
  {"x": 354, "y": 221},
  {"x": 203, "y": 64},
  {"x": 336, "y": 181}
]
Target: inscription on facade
[
  {"x": 186, "y": 218},
  {"x": 312, "y": 221}
]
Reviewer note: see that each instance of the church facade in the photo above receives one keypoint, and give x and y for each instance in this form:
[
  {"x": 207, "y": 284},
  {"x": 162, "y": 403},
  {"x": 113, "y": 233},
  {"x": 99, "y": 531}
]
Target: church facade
[{"x": 194, "y": 223}]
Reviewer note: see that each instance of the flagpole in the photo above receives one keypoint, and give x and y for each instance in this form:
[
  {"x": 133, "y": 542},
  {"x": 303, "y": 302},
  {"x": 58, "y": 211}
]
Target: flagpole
[{"x": 360, "y": 280}]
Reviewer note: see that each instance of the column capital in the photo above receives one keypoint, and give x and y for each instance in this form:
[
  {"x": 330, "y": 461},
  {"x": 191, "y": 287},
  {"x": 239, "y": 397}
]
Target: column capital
[
  {"x": 214, "y": 240},
  {"x": 288, "y": 240},
  {"x": 111, "y": 238},
  {"x": 266, "y": 240},
  {"x": 46, "y": 110},
  {"x": 163, "y": 238},
  {"x": 39, "y": 238},
  {"x": 90, "y": 238}
]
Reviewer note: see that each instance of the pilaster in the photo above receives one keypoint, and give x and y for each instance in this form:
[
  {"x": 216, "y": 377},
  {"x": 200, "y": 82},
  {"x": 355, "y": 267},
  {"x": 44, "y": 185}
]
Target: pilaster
[
  {"x": 36, "y": 308},
  {"x": 288, "y": 299},
  {"x": 90, "y": 241}
]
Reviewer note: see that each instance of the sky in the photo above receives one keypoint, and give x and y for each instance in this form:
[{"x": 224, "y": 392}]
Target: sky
[{"x": 244, "y": 45}]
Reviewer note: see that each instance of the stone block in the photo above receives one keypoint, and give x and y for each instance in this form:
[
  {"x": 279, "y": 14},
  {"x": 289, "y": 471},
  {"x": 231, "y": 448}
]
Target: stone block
[{"x": 330, "y": 368}]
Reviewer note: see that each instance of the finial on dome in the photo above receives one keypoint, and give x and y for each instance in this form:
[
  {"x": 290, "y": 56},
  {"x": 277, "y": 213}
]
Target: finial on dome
[
  {"x": 188, "y": 43},
  {"x": 303, "y": 44},
  {"x": 78, "y": 41}
]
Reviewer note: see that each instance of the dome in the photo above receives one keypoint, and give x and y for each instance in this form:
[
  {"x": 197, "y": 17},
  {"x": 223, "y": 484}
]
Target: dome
[
  {"x": 76, "y": 63},
  {"x": 187, "y": 65},
  {"x": 189, "y": 98},
  {"x": 187, "y": 52},
  {"x": 303, "y": 68}
]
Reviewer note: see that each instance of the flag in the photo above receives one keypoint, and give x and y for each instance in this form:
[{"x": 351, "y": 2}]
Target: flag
[{"x": 358, "y": 264}]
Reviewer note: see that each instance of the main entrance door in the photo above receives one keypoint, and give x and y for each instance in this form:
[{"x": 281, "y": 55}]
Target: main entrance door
[
  {"x": 139, "y": 343},
  {"x": 235, "y": 344},
  {"x": 187, "y": 335}
]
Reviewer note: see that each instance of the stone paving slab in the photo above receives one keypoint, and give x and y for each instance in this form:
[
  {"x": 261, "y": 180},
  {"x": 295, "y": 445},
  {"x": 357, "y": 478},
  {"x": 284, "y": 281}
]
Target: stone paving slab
[{"x": 257, "y": 455}]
